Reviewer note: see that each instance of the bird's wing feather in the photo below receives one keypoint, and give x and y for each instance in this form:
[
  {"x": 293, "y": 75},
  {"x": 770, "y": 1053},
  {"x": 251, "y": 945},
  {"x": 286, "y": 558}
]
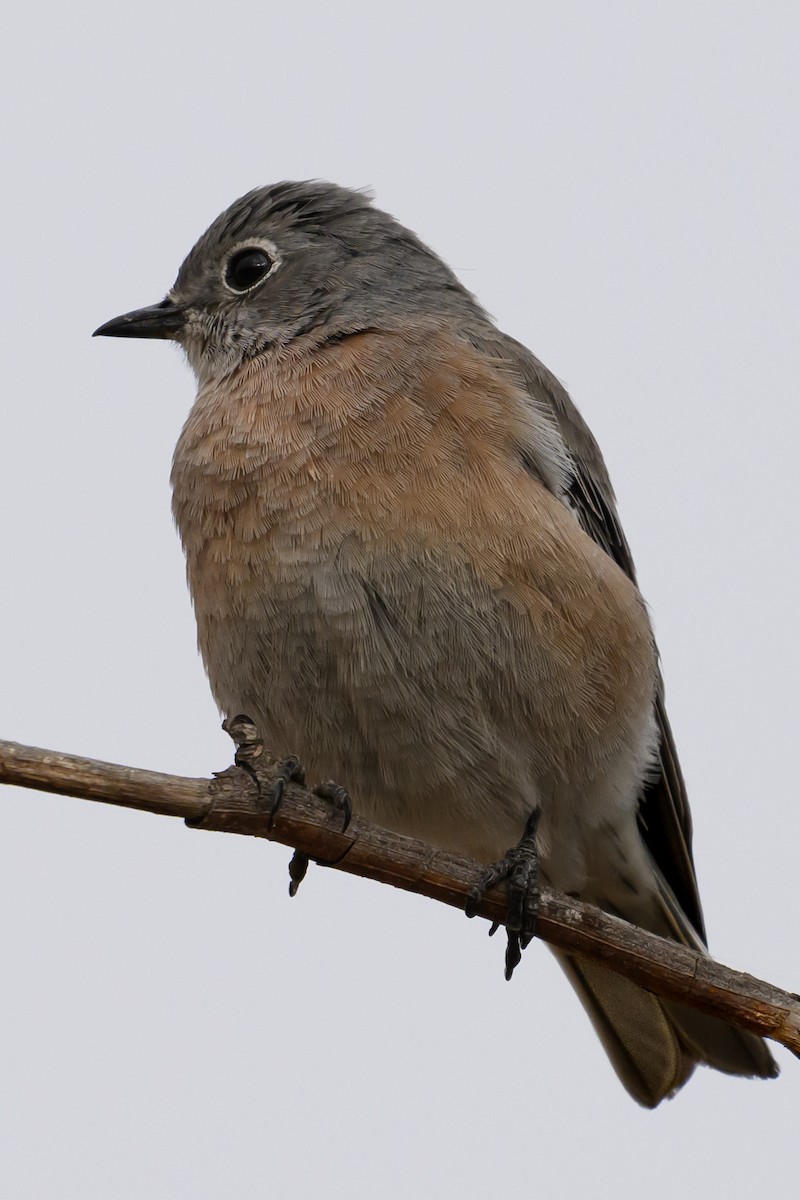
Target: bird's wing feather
[{"x": 664, "y": 816}]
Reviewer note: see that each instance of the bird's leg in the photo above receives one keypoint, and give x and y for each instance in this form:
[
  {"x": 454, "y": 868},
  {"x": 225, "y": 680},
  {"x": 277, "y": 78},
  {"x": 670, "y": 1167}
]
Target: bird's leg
[
  {"x": 270, "y": 779},
  {"x": 520, "y": 866}
]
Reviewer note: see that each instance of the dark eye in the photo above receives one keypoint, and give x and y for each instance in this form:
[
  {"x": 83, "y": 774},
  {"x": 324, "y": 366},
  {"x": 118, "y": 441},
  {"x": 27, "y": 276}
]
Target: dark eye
[{"x": 246, "y": 268}]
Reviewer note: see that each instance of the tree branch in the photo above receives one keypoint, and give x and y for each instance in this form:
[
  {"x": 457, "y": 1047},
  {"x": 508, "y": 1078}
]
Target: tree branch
[{"x": 228, "y": 803}]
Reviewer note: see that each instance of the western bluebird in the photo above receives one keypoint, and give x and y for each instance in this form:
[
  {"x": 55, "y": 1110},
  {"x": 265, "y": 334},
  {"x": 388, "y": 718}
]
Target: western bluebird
[{"x": 406, "y": 564}]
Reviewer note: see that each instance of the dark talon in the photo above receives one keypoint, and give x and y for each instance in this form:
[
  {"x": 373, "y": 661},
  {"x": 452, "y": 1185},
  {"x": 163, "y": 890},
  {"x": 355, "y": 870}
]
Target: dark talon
[
  {"x": 273, "y": 803},
  {"x": 297, "y": 871},
  {"x": 289, "y": 771},
  {"x": 520, "y": 866},
  {"x": 299, "y": 865},
  {"x": 338, "y": 796}
]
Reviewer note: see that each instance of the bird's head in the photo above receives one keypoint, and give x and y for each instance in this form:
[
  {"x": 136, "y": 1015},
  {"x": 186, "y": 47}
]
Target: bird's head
[{"x": 291, "y": 260}]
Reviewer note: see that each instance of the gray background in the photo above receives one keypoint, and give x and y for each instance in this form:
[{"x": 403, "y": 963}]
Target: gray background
[{"x": 618, "y": 182}]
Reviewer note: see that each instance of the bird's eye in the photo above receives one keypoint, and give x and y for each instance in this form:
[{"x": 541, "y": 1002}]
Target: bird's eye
[{"x": 246, "y": 268}]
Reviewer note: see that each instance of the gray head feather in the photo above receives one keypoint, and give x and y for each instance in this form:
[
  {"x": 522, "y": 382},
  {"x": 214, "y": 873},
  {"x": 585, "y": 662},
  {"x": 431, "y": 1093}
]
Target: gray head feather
[{"x": 340, "y": 265}]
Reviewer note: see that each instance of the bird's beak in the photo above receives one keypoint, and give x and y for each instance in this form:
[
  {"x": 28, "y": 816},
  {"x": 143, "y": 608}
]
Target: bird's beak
[{"x": 164, "y": 320}]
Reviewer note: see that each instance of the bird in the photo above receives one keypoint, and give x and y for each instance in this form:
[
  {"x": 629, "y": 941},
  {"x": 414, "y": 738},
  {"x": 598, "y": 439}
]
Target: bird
[{"x": 407, "y": 565}]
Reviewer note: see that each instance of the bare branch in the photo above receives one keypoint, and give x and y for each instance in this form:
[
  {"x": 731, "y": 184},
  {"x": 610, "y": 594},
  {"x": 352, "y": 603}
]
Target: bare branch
[{"x": 227, "y": 803}]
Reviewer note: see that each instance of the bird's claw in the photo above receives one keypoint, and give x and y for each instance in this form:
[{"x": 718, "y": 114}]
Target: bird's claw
[
  {"x": 338, "y": 797},
  {"x": 520, "y": 866},
  {"x": 288, "y": 770},
  {"x": 297, "y": 870}
]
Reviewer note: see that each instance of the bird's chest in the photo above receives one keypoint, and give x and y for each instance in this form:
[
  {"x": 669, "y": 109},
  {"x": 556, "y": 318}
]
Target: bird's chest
[
  {"x": 265, "y": 532},
  {"x": 292, "y": 494}
]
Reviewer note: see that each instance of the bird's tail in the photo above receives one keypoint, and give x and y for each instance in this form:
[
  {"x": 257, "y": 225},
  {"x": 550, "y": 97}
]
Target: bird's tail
[{"x": 653, "y": 1044}]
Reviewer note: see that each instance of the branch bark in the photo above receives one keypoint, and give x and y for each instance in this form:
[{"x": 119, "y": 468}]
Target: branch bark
[{"x": 228, "y": 803}]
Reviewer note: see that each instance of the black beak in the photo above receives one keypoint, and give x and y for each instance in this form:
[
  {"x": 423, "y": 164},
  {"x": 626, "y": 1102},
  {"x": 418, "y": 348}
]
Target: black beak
[{"x": 164, "y": 320}]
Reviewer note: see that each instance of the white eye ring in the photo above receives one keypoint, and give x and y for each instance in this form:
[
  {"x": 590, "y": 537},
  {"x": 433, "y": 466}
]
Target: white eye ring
[{"x": 268, "y": 248}]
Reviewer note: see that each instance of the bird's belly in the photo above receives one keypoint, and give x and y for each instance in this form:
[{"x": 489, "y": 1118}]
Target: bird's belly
[{"x": 446, "y": 714}]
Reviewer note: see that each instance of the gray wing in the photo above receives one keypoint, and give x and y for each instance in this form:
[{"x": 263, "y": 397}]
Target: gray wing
[{"x": 664, "y": 816}]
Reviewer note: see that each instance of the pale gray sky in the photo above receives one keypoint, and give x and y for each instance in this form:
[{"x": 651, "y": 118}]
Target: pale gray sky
[{"x": 619, "y": 184}]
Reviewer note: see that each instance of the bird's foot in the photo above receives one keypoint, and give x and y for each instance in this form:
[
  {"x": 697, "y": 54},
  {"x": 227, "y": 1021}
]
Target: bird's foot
[
  {"x": 270, "y": 778},
  {"x": 520, "y": 866}
]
